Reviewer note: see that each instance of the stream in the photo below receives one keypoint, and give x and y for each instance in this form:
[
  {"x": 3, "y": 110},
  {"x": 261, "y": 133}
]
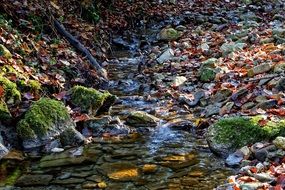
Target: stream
[{"x": 163, "y": 157}]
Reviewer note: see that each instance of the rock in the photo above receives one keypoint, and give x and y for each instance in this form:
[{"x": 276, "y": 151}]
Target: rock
[
  {"x": 227, "y": 134},
  {"x": 149, "y": 168},
  {"x": 178, "y": 81},
  {"x": 226, "y": 109},
  {"x": 5, "y": 52},
  {"x": 264, "y": 177},
  {"x": 259, "y": 69},
  {"x": 280, "y": 86},
  {"x": 251, "y": 186},
  {"x": 70, "y": 157},
  {"x": 240, "y": 93},
  {"x": 3, "y": 151},
  {"x": 228, "y": 48},
  {"x": 68, "y": 181},
  {"x": 205, "y": 47},
  {"x": 279, "y": 67},
  {"x": 248, "y": 105},
  {"x": 234, "y": 160},
  {"x": 95, "y": 123},
  {"x": 267, "y": 104},
  {"x": 178, "y": 161},
  {"x": 221, "y": 95},
  {"x": 212, "y": 109},
  {"x": 14, "y": 155},
  {"x": 120, "y": 171},
  {"x": 141, "y": 119},
  {"x": 180, "y": 124},
  {"x": 71, "y": 136},
  {"x": 45, "y": 120},
  {"x": 165, "y": 56},
  {"x": 245, "y": 151},
  {"x": 90, "y": 100},
  {"x": 169, "y": 34},
  {"x": 261, "y": 154},
  {"x": 33, "y": 180},
  {"x": 207, "y": 74},
  {"x": 192, "y": 103},
  {"x": 279, "y": 142}
]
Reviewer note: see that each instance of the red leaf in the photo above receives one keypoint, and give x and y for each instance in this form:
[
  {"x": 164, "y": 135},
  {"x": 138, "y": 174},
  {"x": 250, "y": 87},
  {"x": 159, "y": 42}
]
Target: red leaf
[
  {"x": 279, "y": 111},
  {"x": 2, "y": 91}
]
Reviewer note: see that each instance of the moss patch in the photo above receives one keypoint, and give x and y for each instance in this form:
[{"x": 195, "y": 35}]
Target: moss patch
[
  {"x": 42, "y": 115},
  {"x": 4, "y": 111},
  {"x": 90, "y": 100},
  {"x": 11, "y": 93},
  {"x": 240, "y": 131}
]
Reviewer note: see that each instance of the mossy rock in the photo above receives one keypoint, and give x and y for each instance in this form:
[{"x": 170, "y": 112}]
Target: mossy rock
[
  {"x": 46, "y": 119},
  {"x": 11, "y": 93},
  {"x": 4, "y": 111},
  {"x": 231, "y": 133},
  {"x": 91, "y": 101},
  {"x": 169, "y": 34},
  {"x": 207, "y": 74}
]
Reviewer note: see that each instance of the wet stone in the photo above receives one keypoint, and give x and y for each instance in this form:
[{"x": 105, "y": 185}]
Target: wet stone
[
  {"x": 31, "y": 180},
  {"x": 68, "y": 181}
]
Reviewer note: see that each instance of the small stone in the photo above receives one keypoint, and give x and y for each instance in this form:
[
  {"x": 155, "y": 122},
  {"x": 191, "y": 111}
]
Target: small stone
[
  {"x": 204, "y": 47},
  {"x": 181, "y": 28},
  {"x": 142, "y": 119},
  {"x": 261, "y": 155},
  {"x": 57, "y": 150},
  {"x": 264, "y": 177},
  {"x": 251, "y": 186},
  {"x": 280, "y": 84},
  {"x": 178, "y": 81},
  {"x": 259, "y": 69},
  {"x": 279, "y": 142},
  {"x": 267, "y": 104},
  {"x": 245, "y": 151},
  {"x": 212, "y": 110},
  {"x": 234, "y": 159},
  {"x": 247, "y": 105},
  {"x": 165, "y": 56},
  {"x": 149, "y": 168},
  {"x": 3, "y": 151},
  {"x": 102, "y": 185}
]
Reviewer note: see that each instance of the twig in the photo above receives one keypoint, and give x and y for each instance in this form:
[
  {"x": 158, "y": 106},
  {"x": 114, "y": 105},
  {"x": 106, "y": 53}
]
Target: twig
[{"x": 79, "y": 46}]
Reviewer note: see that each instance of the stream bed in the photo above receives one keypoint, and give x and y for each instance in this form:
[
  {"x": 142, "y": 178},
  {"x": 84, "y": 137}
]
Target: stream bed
[{"x": 164, "y": 157}]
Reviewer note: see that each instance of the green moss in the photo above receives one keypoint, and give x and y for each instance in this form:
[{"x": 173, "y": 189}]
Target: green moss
[
  {"x": 207, "y": 74},
  {"x": 10, "y": 88},
  {"x": 41, "y": 116},
  {"x": 240, "y": 131},
  {"x": 90, "y": 100},
  {"x": 4, "y": 111},
  {"x": 11, "y": 179},
  {"x": 34, "y": 85}
]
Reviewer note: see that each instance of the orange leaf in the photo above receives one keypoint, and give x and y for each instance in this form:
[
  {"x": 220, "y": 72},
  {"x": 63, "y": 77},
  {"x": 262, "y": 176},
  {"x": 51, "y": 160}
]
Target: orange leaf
[{"x": 1, "y": 91}]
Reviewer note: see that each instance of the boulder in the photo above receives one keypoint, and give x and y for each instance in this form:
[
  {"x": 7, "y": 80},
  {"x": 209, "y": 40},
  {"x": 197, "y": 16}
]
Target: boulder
[
  {"x": 228, "y": 134},
  {"x": 142, "y": 119},
  {"x": 91, "y": 101},
  {"x": 47, "y": 119},
  {"x": 169, "y": 34}
]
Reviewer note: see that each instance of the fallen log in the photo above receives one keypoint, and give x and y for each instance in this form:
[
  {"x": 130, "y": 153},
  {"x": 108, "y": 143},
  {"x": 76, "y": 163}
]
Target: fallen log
[{"x": 80, "y": 47}]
